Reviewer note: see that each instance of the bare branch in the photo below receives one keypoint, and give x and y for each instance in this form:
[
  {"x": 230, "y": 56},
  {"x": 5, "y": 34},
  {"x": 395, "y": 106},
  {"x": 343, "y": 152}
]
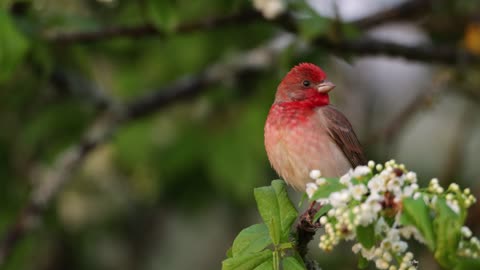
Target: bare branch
[
  {"x": 244, "y": 17},
  {"x": 406, "y": 10}
]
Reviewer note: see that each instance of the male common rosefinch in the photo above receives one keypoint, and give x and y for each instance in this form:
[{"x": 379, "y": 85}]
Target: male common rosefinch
[{"x": 304, "y": 132}]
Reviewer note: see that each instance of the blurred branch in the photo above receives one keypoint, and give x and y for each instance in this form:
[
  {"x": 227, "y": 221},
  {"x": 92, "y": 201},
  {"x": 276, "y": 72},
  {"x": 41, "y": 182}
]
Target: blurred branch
[
  {"x": 358, "y": 47},
  {"x": 51, "y": 182},
  {"x": 406, "y": 10},
  {"x": 246, "y": 16}
]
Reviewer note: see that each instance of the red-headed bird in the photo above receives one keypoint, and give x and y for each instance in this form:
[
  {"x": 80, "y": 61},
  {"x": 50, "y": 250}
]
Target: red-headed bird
[{"x": 304, "y": 132}]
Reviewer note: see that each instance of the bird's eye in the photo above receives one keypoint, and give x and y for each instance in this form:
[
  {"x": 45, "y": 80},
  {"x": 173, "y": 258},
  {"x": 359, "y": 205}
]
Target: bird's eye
[{"x": 306, "y": 83}]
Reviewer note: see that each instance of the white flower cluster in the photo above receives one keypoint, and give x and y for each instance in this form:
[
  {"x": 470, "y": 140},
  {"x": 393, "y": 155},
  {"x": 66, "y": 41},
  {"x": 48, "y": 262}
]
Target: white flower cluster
[
  {"x": 270, "y": 8},
  {"x": 366, "y": 200},
  {"x": 469, "y": 246}
]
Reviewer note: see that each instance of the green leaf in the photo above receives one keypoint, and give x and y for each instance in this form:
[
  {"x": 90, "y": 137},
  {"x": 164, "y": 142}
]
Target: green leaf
[
  {"x": 332, "y": 185},
  {"x": 162, "y": 13},
  {"x": 276, "y": 209},
  {"x": 252, "y": 239},
  {"x": 366, "y": 235},
  {"x": 418, "y": 215},
  {"x": 310, "y": 24},
  {"x": 248, "y": 261},
  {"x": 292, "y": 263},
  {"x": 467, "y": 264},
  {"x": 288, "y": 213},
  {"x": 229, "y": 253},
  {"x": 13, "y": 46},
  {"x": 325, "y": 208},
  {"x": 447, "y": 225},
  {"x": 362, "y": 262},
  {"x": 267, "y": 265}
]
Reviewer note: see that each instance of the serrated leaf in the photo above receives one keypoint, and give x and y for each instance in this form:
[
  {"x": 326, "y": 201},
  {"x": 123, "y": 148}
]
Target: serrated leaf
[
  {"x": 288, "y": 212},
  {"x": 322, "y": 211},
  {"x": 366, "y": 235},
  {"x": 418, "y": 214},
  {"x": 162, "y": 14},
  {"x": 292, "y": 263},
  {"x": 323, "y": 191},
  {"x": 13, "y": 46},
  {"x": 252, "y": 239},
  {"x": 248, "y": 261},
  {"x": 276, "y": 209},
  {"x": 447, "y": 225}
]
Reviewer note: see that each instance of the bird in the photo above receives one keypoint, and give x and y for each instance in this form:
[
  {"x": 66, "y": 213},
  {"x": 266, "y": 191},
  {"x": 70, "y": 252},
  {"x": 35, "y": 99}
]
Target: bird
[{"x": 304, "y": 132}]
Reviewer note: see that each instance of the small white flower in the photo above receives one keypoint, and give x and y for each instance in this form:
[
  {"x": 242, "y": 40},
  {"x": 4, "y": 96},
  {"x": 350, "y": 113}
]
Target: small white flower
[
  {"x": 381, "y": 226},
  {"x": 399, "y": 246},
  {"x": 315, "y": 174},
  {"x": 323, "y": 220},
  {"x": 356, "y": 248},
  {"x": 311, "y": 189},
  {"x": 358, "y": 191},
  {"x": 379, "y": 167},
  {"x": 368, "y": 254},
  {"x": 381, "y": 264},
  {"x": 376, "y": 184},
  {"x": 409, "y": 190},
  {"x": 346, "y": 179},
  {"x": 453, "y": 204},
  {"x": 411, "y": 177},
  {"x": 321, "y": 181},
  {"x": 339, "y": 199},
  {"x": 371, "y": 164},
  {"x": 454, "y": 187},
  {"x": 360, "y": 171},
  {"x": 466, "y": 232},
  {"x": 270, "y": 8}
]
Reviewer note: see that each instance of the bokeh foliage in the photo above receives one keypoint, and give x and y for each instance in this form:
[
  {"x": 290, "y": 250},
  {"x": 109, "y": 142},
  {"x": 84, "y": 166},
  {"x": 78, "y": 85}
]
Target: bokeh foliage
[{"x": 192, "y": 161}]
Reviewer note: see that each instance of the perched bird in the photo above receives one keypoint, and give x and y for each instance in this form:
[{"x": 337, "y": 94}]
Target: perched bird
[{"x": 304, "y": 132}]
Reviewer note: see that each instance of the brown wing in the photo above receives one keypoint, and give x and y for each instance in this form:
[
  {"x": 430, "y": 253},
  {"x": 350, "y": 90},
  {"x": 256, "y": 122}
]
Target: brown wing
[{"x": 342, "y": 133}]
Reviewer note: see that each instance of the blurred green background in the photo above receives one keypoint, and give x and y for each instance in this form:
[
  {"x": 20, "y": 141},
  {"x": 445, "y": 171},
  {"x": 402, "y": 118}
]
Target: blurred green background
[{"x": 171, "y": 190}]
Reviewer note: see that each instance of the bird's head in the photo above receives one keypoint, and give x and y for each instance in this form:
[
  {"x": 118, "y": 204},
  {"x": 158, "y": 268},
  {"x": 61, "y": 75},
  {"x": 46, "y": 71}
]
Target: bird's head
[{"x": 305, "y": 83}]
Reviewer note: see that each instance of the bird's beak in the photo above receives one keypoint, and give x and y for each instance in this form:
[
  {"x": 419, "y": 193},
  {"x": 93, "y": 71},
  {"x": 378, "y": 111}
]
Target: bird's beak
[{"x": 325, "y": 87}]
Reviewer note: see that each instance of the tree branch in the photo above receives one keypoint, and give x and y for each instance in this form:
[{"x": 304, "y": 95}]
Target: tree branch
[
  {"x": 407, "y": 10},
  {"x": 306, "y": 228},
  {"x": 243, "y": 17}
]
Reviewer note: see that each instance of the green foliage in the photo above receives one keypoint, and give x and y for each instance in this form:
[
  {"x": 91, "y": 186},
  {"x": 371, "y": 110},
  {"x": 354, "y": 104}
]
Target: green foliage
[
  {"x": 416, "y": 213},
  {"x": 13, "y": 46},
  {"x": 331, "y": 185},
  {"x": 267, "y": 245},
  {"x": 162, "y": 14},
  {"x": 366, "y": 235},
  {"x": 250, "y": 240}
]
